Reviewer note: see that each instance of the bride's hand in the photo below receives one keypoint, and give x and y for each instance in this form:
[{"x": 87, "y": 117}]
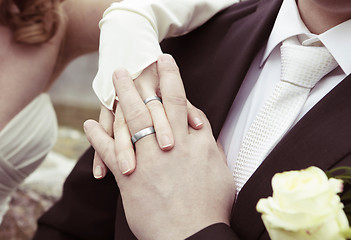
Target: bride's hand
[{"x": 147, "y": 85}]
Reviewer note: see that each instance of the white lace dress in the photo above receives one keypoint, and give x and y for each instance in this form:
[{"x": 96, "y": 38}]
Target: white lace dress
[{"x": 24, "y": 143}]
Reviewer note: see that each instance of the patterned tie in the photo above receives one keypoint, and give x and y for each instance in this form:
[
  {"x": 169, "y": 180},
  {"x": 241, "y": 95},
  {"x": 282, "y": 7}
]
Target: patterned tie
[{"x": 301, "y": 68}]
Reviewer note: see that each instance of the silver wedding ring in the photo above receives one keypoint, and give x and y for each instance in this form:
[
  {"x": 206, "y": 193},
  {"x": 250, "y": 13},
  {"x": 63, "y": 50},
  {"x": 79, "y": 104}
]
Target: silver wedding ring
[
  {"x": 152, "y": 99},
  {"x": 142, "y": 133}
]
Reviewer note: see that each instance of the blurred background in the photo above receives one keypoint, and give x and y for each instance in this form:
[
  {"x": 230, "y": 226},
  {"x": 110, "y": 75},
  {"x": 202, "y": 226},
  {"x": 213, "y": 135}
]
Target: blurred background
[{"x": 74, "y": 102}]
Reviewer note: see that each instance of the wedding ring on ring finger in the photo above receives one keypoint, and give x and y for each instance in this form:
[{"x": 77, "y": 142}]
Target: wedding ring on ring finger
[
  {"x": 142, "y": 133},
  {"x": 153, "y": 98},
  {"x": 163, "y": 130}
]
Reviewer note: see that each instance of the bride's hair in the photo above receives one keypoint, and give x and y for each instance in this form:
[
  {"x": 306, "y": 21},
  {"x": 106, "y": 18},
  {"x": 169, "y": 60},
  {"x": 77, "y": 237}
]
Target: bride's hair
[{"x": 32, "y": 21}]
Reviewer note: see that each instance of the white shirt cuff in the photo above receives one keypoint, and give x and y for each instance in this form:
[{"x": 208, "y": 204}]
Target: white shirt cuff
[{"x": 131, "y": 31}]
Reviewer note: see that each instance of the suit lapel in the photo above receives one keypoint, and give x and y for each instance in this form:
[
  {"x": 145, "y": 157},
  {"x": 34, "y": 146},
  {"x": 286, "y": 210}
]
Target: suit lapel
[
  {"x": 321, "y": 138},
  {"x": 215, "y": 58}
]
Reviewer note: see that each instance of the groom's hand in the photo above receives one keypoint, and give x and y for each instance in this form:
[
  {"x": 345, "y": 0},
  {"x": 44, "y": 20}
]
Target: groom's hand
[
  {"x": 173, "y": 194},
  {"x": 148, "y": 86}
]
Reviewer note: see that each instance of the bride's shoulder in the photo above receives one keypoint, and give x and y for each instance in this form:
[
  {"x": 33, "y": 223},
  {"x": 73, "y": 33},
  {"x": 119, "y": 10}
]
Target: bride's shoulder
[{"x": 26, "y": 71}]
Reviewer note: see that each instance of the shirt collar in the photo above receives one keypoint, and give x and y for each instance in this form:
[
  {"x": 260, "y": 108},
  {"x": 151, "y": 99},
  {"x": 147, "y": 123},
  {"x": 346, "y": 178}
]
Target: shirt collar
[
  {"x": 338, "y": 41},
  {"x": 289, "y": 23}
]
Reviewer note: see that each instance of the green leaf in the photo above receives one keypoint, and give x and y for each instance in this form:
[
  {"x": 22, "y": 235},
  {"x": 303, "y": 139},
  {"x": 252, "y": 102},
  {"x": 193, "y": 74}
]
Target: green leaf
[
  {"x": 339, "y": 171},
  {"x": 343, "y": 177}
]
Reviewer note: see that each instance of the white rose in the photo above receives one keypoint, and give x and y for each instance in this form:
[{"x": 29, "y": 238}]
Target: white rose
[{"x": 304, "y": 205}]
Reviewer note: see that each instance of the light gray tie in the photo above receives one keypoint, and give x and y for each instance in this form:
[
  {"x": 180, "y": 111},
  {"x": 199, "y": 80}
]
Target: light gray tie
[{"x": 301, "y": 68}]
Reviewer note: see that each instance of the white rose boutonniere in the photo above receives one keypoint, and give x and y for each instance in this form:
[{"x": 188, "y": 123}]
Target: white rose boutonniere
[{"x": 305, "y": 205}]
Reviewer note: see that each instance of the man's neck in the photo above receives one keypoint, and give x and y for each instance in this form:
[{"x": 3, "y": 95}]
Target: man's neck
[{"x": 319, "y": 15}]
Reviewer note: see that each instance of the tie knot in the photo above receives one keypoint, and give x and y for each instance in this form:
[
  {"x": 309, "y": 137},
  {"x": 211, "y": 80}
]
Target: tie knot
[{"x": 305, "y": 65}]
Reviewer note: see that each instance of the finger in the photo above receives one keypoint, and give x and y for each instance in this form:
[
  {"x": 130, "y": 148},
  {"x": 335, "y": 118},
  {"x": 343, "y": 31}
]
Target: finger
[
  {"x": 99, "y": 167},
  {"x": 102, "y": 143},
  {"x": 163, "y": 130},
  {"x": 194, "y": 117},
  {"x": 106, "y": 121},
  {"x": 206, "y": 130},
  {"x": 136, "y": 114},
  {"x": 148, "y": 81},
  {"x": 173, "y": 95},
  {"x": 123, "y": 146},
  {"x": 147, "y": 85}
]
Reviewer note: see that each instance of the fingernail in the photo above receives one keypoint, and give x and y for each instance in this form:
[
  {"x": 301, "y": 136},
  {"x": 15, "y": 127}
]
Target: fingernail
[
  {"x": 166, "y": 58},
  {"x": 165, "y": 142},
  {"x": 98, "y": 172},
  {"x": 86, "y": 124},
  {"x": 124, "y": 166},
  {"x": 197, "y": 122}
]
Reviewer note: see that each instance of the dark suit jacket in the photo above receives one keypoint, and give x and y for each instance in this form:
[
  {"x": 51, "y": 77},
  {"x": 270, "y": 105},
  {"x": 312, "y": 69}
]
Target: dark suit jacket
[{"x": 214, "y": 60}]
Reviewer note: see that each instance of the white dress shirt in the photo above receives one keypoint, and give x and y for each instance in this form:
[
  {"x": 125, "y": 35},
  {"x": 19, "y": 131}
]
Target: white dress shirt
[
  {"x": 259, "y": 82},
  {"x": 264, "y": 74}
]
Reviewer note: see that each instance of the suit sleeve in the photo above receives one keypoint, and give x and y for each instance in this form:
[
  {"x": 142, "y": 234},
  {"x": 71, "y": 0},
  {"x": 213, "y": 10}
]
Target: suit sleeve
[
  {"x": 219, "y": 231},
  {"x": 87, "y": 208},
  {"x": 131, "y": 32}
]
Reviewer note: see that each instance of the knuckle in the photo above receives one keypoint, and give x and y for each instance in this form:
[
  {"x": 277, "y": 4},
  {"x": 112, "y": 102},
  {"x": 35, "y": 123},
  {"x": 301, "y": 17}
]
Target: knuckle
[
  {"x": 175, "y": 100},
  {"x": 123, "y": 82},
  {"x": 210, "y": 147},
  {"x": 138, "y": 117},
  {"x": 134, "y": 112},
  {"x": 169, "y": 68}
]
